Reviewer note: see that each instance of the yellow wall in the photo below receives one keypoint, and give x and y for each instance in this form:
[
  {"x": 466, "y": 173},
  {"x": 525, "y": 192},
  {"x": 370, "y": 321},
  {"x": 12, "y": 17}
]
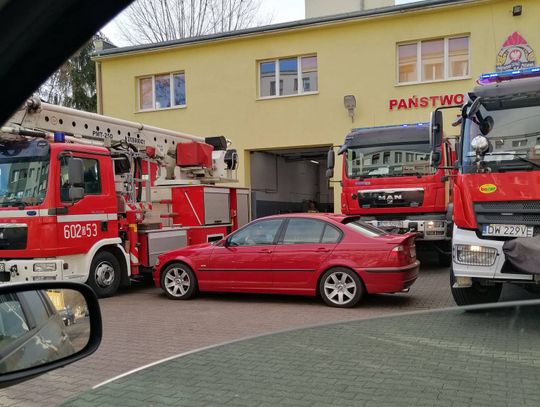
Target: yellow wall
[{"x": 356, "y": 58}]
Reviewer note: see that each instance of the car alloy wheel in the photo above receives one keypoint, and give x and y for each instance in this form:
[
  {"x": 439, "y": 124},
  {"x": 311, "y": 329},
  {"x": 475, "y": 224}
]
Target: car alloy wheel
[
  {"x": 340, "y": 288},
  {"x": 179, "y": 282}
]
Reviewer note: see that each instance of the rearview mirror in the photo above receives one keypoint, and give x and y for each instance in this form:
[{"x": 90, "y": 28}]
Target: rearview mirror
[
  {"x": 436, "y": 158},
  {"x": 473, "y": 109},
  {"x": 76, "y": 193},
  {"x": 436, "y": 129},
  {"x": 75, "y": 172},
  {"x": 44, "y": 326},
  {"x": 436, "y": 137},
  {"x": 331, "y": 159}
]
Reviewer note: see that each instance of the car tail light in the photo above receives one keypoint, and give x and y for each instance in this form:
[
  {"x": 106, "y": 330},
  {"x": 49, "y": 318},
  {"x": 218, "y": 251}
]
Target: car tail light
[
  {"x": 412, "y": 250},
  {"x": 399, "y": 255}
]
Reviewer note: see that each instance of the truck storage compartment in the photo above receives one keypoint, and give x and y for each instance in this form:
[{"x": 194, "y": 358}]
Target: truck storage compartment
[{"x": 155, "y": 242}]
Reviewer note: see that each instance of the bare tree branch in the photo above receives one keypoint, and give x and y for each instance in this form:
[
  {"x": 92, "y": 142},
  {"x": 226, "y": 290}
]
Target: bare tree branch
[{"x": 149, "y": 21}]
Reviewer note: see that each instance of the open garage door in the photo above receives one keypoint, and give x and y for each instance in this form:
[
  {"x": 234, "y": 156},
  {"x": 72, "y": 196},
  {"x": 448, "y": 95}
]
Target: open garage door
[{"x": 290, "y": 180}]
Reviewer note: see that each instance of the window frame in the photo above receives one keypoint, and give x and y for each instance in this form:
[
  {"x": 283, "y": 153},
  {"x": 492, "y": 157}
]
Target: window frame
[
  {"x": 277, "y": 76},
  {"x": 326, "y": 224},
  {"x": 100, "y": 178},
  {"x": 171, "y": 85},
  {"x": 277, "y": 236},
  {"x": 446, "y": 59}
]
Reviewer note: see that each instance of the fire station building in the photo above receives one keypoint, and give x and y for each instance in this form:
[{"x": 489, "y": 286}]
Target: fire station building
[{"x": 285, "y": 93}]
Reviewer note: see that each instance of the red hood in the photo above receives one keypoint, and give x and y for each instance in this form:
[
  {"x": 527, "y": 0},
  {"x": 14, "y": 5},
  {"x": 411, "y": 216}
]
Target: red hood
[{"x": 510, "y": 186}]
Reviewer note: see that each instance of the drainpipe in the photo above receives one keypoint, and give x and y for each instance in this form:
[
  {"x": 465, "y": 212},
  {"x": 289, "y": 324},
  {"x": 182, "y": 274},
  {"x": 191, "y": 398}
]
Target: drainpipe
[{"x": 99, "y": 88}]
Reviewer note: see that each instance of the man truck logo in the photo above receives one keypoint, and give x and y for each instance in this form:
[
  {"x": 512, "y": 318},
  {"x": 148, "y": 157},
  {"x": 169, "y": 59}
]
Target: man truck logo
[
  {"x": 389, "y": 198},
  {"x": 488, "y": 188}
]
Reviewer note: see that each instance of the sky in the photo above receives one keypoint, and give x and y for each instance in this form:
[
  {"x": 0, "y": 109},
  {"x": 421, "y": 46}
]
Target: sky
[{"x": 281, "y": 10}]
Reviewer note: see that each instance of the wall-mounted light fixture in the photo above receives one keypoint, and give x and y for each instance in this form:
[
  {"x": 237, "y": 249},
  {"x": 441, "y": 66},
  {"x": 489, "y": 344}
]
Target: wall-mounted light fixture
[
  {"x": 517, "y": 10},
  {"x": 350, "y": 104}
]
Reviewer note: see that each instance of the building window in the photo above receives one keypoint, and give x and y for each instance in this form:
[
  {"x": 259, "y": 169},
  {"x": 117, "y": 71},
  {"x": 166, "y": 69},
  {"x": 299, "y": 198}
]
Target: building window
[
  {"x": 162, "y": 91},
  {"x": 289, "y": 73},
  {"x": 433, "y": 60}
]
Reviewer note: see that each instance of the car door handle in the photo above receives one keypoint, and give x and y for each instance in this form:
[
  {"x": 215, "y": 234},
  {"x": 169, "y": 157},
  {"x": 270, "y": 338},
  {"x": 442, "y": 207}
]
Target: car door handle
[
  {"x": 265, "y": 251},
  {"x": 323, "y": 249}
]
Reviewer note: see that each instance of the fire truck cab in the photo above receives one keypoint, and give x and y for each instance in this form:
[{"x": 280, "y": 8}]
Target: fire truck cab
[
  {"x": 393, "y": 181},
  {"x": 94, "y": 199},
  {"x": 496, "y": 191}
]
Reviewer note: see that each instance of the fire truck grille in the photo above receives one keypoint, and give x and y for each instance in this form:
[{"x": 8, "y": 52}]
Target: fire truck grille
[
  {"x": 517, "y": 219},
  {"x": 13, "y": 238},
  {"x": 517, "y": 206},
  {"x": 510, "y": 213}
]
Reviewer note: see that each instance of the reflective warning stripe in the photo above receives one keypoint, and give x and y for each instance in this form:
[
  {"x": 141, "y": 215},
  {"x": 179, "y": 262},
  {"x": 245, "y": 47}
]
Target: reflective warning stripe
[
  {"x": 33, "y": 213},
  {"x": 24, "y": 213},
  {"x": 87, "y": 218},
  {"x": 133, "y": 259}
]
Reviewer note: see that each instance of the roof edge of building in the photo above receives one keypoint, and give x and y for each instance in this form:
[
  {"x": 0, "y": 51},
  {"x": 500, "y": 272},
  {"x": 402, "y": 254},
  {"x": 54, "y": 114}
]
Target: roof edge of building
[{"x": 275, "y": 28}]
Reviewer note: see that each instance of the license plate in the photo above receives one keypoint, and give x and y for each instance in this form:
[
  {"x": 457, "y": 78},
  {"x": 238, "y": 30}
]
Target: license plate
[
  {"x": 390, "y": 224},
  {"x": 507, "y": 230}
]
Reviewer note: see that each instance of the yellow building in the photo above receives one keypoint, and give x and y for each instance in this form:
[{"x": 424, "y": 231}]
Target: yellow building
[{"x": 278, "y": 91}]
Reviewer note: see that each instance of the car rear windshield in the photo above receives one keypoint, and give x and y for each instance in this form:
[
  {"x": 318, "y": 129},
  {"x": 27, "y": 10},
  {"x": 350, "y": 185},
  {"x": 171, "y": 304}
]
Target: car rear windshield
[{"x": 363, "y": 228}]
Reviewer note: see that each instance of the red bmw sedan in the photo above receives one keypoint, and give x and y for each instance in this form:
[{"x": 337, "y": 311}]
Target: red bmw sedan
[{"x": 336, "y": 257}]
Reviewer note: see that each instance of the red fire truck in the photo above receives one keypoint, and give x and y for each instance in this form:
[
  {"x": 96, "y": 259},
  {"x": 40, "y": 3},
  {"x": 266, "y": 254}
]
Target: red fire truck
[
  {"x": 391, "y": 179},
  {"x": 497, "y": 189},
  {"x": 89, "y": 198}
]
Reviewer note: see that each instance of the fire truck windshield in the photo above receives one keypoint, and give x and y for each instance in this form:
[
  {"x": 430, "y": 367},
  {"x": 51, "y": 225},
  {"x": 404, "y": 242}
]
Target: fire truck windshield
[
  {"x": 395, "y": 160},
  {"x": 24, "y": 171},
  {"x": 514, "y": 138}
]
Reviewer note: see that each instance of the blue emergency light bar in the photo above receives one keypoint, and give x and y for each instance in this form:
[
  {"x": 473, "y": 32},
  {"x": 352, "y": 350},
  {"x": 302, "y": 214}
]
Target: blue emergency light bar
[
  {"x": 495, "y": 77},
  {"x": 395, "y": 126},
  {"x": 59, "y": 137}
]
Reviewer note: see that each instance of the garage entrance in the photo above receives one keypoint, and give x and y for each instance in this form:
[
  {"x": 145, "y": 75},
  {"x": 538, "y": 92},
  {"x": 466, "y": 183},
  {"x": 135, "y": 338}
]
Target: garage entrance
[{"x": 290, "y": 180}]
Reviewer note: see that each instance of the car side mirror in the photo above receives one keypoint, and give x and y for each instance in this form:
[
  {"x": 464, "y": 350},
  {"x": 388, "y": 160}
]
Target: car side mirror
[
  {"x": 44, "y": 326},
  {"x": 330, "y": 163},
  {"x": 75, "y": 172},
  {"x": 436, "y": 158},
  {"x": 75, "y": 179},
  {"x": 76, "y": 193},
  {"x": 436, "y": 129},
  {"x": 330, "y": 159},
  {"x": 474, "y": 107}
]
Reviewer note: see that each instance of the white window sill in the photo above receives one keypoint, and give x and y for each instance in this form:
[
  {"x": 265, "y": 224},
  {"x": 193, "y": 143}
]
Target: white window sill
[
  {"x": 288, "y": 96},
  {"x": 461, "y": 78},
  {"x": 159, "y": 110}
]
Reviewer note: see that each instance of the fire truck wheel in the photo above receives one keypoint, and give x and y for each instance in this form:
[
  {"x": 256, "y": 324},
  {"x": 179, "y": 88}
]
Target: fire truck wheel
[
  {"x": 477, "y": 294},
  {"x": 104, "y": 275},
  {"x": 179, "y": 282},
  {"x": 340, "y": 287}
]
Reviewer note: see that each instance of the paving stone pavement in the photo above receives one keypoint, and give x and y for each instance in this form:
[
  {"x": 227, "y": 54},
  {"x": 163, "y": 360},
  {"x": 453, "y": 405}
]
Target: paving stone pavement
[
  {"x": 141, "y": 326},
  {"x": 448, "y": 358}
]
